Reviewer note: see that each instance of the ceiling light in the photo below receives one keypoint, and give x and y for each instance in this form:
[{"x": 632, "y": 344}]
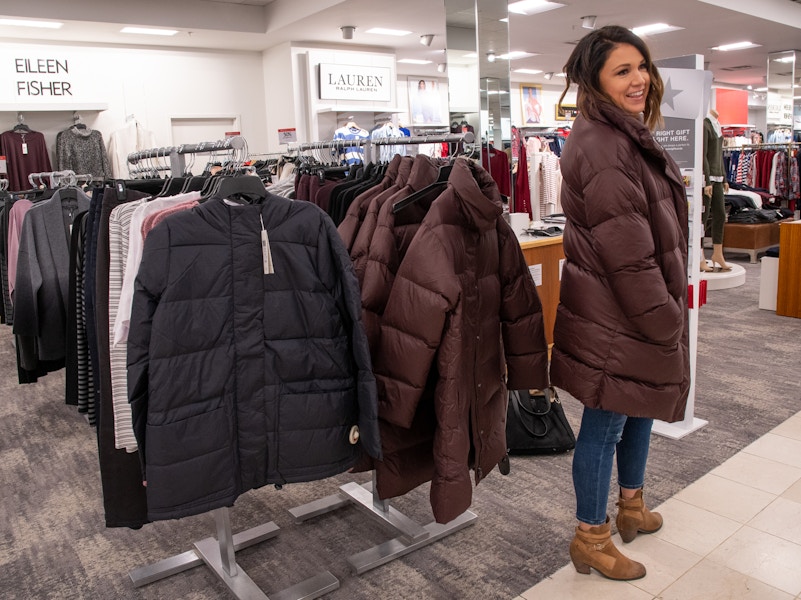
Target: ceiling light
[
  {"x": 414, "y": 61},
  {"x": 735, "y": 46},
  {"x": 24, "y": 23},
  {"x": 530, "y": 72},
  {"x": 654, "y": 28},
  {"x": 762, "y": 89},
  {"x": 491, "y": 57},
  {"x": 588, "y": 22},
  {"x": 347, "y": 31},
  {"x": 441, "y": 67},
  {"x": 427, "y": 39},
  {"x": 514, "y": 55},
  {"x": 504, "y": 20},
  {"x": 148, "y": 31},
  {"x": 383, "y": 31},
  {"x": 470, "y": 55},
  {"x": 532, "y": 7},
  {"x": 560, "y": 74},
  {"x": 784, "y": 59},
  {"x": 548, "y": 75}
]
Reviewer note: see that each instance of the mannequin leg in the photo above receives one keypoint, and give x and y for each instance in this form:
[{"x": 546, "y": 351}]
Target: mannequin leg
[{"x": 718, "y": 218}]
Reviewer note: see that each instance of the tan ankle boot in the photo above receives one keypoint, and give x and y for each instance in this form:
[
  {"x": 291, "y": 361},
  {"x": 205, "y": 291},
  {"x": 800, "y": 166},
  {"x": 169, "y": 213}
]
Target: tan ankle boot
[
  {"x": 594, "y": 548},
  {"x": 634, "y": 517}
]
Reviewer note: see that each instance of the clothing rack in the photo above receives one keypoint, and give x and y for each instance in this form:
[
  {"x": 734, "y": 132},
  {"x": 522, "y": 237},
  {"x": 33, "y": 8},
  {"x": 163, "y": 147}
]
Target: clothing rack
[
  {"x": 411, "y": 535},
  {"x": 219, "y": 553},
  {"x": 176, "y": 154},
  {"x": 58, "y": 178}
]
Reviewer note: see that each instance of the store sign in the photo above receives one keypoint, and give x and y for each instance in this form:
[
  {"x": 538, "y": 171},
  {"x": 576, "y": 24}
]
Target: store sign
[
  {"x": 779, "y": 109},
  {"x": 57, "y": 76},
  {"x": 354, "y": 82}
]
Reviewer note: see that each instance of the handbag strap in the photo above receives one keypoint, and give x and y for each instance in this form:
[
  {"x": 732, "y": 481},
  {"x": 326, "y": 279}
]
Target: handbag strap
[{"x": 514, "y": 397}]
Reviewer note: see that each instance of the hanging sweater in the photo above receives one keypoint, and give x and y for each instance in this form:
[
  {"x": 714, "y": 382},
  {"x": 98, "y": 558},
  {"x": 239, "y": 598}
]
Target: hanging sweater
[{"x": 82, "y": 151}]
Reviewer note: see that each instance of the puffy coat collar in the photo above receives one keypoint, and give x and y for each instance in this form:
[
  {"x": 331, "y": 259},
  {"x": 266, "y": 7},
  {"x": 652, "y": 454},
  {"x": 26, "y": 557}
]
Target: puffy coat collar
[
  {"x": 477, "y": 192},
  {"x": 640, "y": 135}
]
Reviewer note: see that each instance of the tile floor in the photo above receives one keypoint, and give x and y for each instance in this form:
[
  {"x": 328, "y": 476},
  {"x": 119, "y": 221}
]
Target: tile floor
[{"x": 733, "y": 534}]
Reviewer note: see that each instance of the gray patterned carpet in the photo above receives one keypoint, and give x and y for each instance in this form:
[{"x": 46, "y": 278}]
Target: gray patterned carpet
[{"x": 53, "y": 543}]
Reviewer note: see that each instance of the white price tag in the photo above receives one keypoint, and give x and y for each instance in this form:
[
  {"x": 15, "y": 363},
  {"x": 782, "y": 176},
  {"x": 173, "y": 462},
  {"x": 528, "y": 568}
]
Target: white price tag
[{"x": 25, "y": 148}]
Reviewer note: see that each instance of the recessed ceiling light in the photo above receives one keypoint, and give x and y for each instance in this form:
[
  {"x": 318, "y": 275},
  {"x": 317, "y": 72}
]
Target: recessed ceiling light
[
  {"x": 148, "y": 31},
  {"x": 735, "y": 46},
  {"x": 528, "y": 71},
  {"x": 762, "y": 89},
  {"x": 514, "y": 55},
  {"x": 560, "y": 74},
  {"x": 654, "y": 28},
  {"x": 504, "y": 20},
  {"x": 383, "y": 31},
  {"x": 532, "y": 7},
  {"x": 25, "y": 23},
  {"x": 414, "y": 61}
]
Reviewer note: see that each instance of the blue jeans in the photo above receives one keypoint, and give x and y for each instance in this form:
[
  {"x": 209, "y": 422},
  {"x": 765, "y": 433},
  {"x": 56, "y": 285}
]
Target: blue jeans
[{"x": 601, "y": 434}]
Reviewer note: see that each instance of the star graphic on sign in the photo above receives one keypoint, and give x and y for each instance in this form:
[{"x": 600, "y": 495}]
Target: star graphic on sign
[{"x": 670, "y": 94}]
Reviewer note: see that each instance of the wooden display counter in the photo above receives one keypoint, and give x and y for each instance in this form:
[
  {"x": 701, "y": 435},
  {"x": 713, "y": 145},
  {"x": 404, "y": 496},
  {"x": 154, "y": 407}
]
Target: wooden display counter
[
  {"x": 750, "y": 238},
  {"x": 543, "y": 256},
  {"x": 788, "y": 294}
]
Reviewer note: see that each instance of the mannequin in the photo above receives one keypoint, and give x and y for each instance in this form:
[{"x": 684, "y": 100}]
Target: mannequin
[{"x": 715, "y": 186}]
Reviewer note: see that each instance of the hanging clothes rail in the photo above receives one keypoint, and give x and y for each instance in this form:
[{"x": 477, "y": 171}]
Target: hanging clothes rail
[
  {"x": 219, "y": 553},
  {"x": 410, "y": 534},
  {"x": 176, "y": 153}
]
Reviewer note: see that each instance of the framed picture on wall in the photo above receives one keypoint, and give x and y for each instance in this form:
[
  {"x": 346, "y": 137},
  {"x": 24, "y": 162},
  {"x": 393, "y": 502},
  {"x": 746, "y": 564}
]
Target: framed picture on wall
[
  {"x": 428, "y": 101},
  {"x": 565, "y": 112},
  {"x": 531, "y": 103}
]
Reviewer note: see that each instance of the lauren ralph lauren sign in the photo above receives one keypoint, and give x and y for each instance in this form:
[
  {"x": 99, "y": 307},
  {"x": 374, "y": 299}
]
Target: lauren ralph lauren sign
[{"x": 355, "y": 82}]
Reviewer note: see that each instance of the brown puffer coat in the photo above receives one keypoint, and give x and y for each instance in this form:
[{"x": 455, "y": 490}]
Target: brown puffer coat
[
  {"x": 463, "y": 313},
  {"x": 621, "y": 333}
]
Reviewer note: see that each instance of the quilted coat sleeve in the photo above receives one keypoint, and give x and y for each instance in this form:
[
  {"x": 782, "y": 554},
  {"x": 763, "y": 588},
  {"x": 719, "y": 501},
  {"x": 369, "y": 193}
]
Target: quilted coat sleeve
[
  {"x": 616, "y": 212},
  {"x": 410, "y": 336},
  {"x": 346, "y": 288},
  {"x": 150, "y": 284},
  {"x": 522, "y": 325}
]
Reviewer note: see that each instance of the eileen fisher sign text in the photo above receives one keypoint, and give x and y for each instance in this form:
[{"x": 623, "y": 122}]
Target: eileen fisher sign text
[
  {"x": 354, "y": 82},
  {"x": 38, "y": 77}
]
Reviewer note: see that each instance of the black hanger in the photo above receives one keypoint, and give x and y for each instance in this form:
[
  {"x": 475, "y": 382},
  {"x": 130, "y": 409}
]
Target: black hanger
[
  {"x": 430, "y": 192},
  {"x": 21, "y": 128},
  {"x": 242, "y": 188}
]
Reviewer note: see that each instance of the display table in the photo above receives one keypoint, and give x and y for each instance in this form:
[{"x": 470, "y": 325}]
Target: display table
[
  {"x": 544, "y": 257},
  {"x": 750, "y": 238},
  {"x": 788, "y": 293}
]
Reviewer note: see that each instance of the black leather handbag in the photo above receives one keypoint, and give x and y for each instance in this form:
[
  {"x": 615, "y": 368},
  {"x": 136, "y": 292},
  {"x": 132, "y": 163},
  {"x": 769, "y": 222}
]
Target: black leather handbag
[{"x": 536, "y": 423}]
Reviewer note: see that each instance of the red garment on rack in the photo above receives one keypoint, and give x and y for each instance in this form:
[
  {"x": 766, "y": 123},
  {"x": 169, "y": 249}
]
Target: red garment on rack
[
  {"x": 522, "y": 198},
  {"x": 497, "y": 164}
]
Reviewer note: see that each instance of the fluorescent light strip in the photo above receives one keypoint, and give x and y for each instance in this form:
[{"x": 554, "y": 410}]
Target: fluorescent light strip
[
  {"x": 24, "y": 23},
  {"x": 528, "y": 71},
  {"x": 383, "y": 31},
  {"x": 514, "y": 55},
  {"x": 762, "y": 89},
  {"x": 784, "y": 59},
  {"x": 654, "y": 28},
  {"x": 414, "y": 61},
  {"x": 148, "y": 31},
  {"x": 735, "y": 46},
  {"x": 532, "y": 7}
]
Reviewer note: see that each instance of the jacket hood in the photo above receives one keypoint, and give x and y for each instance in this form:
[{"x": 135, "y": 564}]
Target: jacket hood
[{"x": 480, "y": 199}]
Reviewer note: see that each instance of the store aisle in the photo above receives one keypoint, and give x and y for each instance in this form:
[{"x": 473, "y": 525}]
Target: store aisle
[{"x": 733, "y": 534}]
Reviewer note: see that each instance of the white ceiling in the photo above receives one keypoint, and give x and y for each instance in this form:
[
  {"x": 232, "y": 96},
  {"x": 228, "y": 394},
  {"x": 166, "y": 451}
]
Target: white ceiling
[{"x": 259, "y": 24}]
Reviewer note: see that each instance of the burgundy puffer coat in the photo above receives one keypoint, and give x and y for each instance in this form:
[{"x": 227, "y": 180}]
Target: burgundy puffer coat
[
  {"x": 462, "y": 315},
  {"x": 621, "y": 333}
]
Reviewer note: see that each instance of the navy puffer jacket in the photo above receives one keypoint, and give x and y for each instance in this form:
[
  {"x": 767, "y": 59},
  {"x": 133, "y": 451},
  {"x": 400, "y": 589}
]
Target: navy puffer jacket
[{"x": 236, "y": 378}]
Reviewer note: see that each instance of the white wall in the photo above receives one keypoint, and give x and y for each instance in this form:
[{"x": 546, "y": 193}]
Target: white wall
[{"x": 155, "y": 85}]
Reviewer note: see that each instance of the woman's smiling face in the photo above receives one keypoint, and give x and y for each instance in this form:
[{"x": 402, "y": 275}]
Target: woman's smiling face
[{"x": 625, "y": 78}]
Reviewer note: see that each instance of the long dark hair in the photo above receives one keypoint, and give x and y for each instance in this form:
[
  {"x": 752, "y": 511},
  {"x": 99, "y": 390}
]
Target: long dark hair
[{"x": 588, "y": 58}]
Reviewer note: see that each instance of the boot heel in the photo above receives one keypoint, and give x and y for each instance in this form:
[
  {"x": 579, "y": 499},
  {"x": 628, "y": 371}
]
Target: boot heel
[
  {"x": 581, "y": 567},
  {"x": 627, "y": 535}
]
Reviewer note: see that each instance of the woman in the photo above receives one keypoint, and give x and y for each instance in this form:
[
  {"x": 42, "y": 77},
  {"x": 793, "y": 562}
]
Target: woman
[{"x": 621, "y": 334}]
